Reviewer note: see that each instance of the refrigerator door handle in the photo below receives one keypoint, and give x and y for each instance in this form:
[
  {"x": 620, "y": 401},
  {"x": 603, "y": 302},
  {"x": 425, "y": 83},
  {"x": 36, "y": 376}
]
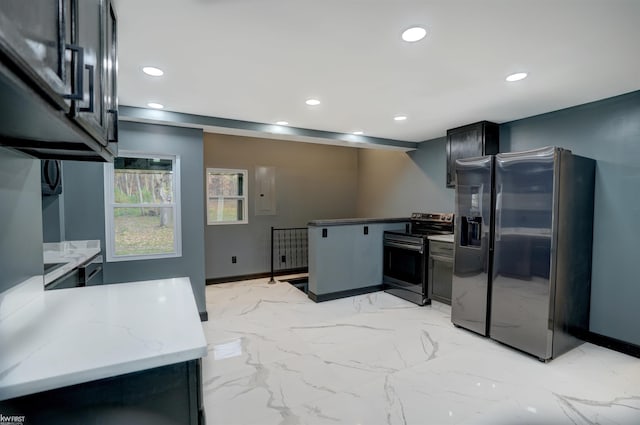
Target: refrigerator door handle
[{"x": 498, "y": 214}]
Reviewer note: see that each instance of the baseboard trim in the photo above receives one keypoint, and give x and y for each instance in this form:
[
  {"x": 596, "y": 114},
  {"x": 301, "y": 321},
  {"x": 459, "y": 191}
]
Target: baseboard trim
[
  {"x": 343, "y": 294},
  {"x": 204, "y": 316},
  {"x": 610, "y": 343},
  {"x": 236, "y": 278}
]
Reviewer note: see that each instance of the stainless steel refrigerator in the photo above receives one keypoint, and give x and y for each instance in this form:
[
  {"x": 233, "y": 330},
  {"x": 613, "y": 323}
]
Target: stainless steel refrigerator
[{"x": 523, "y": 241}]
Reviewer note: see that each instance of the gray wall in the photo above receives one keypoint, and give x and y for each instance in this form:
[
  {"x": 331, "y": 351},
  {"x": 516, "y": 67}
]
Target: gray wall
[
  {"x": 84, "y": 205},
  {"x": 20, "y": 219},
  {"x": 312, "y": 182},
  {"x": 52, "y": 218},
  {"x": 394, "y": 184},
  {"x": 608, "y": 131}
]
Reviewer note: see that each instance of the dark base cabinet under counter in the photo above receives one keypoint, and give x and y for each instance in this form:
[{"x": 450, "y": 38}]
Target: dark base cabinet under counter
[
  {"x": 440, "y": 265},
  {"x": 167, "y": 395}
]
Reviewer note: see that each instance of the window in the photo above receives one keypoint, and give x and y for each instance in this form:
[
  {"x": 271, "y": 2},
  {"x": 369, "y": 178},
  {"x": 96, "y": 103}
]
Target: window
[
  {"x": 226, "y": 196},
  {"x": 142, "y": 204}
]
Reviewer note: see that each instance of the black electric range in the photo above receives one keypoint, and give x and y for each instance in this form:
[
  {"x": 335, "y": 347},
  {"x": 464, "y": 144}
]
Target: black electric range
[{"x": 405, "y": 262}]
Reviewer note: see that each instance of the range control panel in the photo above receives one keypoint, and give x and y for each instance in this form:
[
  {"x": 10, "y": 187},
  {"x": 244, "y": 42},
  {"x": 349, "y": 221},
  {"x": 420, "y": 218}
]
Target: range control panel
[{"x": 444, "y": 217}]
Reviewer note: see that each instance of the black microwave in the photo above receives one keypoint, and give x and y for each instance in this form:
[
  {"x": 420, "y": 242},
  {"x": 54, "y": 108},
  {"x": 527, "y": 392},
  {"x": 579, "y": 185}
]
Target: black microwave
[{"x": 51, "y": 176}]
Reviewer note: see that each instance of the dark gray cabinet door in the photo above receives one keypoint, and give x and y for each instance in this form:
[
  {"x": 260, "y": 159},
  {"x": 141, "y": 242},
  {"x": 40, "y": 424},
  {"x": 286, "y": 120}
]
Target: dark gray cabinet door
[
  {"x": 464, "y": 143},
  {"x": 111, "y": 78},
  {"x": 90, "y": 111},
  {"x": 32, "y": 37},
  {"x": 440, "y": 271},
  {"x": 166, "y": 395}
]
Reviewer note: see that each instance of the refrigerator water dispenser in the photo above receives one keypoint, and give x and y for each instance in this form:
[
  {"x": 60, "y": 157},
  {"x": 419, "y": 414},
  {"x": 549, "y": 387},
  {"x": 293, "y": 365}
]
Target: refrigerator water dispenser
[{"x": 471, "y": 232}]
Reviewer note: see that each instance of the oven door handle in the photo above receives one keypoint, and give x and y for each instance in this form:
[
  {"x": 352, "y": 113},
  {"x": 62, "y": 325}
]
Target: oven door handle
[{"x": 410, "y": 247}]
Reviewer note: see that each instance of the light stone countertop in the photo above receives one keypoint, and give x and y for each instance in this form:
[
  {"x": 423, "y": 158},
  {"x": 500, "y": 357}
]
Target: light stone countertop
[
  {"x": 441, "y": 238},
  {"x": 52, "y": 339},
  {"x": 72, "y": 253}
]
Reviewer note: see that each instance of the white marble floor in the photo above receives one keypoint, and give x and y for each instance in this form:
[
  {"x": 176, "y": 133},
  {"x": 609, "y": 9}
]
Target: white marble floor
[{"x": 275, "y": 357}]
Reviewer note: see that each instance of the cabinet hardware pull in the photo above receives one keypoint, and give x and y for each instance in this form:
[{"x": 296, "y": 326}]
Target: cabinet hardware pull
[
  {"x": 76, "y": 93},
  {"x": 91, "y": 69},
  {"x": 115, "y": 125}
]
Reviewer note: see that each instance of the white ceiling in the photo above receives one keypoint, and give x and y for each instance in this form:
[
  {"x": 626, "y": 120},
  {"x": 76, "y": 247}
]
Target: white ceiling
[{"x": 259, "y": 60}]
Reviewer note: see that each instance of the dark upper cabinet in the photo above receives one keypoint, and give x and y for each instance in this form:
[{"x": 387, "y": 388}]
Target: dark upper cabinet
[
  {"x": 58, "y": 78},
  {"x": 89, "y": 33},
  {"x": 32, "y": 41},
  {"x": 478, "y": 139}
]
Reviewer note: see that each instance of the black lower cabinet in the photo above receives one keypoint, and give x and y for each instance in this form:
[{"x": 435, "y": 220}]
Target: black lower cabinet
[{"x": 167, "y": 395}]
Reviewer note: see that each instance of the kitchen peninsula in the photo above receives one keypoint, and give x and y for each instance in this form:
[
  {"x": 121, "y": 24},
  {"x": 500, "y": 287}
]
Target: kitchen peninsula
[
  {"x": 345, "y": 256},
  {"x": 106, "y": 350}
]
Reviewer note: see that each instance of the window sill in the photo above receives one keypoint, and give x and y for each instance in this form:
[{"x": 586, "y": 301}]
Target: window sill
[{"x": 117, "y": 259}]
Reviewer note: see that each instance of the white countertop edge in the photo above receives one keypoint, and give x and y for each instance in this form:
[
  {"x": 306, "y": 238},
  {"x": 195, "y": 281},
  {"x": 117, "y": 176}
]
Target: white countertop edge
[
  {"x": 109, "y": 371},
  {"x": 53, "y": 248}
]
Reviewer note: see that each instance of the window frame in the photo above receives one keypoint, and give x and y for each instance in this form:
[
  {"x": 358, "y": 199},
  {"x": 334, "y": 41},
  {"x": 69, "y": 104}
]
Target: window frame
[
  {"x": 244, "y": 197},
  {"x": 110, "y": 205}
]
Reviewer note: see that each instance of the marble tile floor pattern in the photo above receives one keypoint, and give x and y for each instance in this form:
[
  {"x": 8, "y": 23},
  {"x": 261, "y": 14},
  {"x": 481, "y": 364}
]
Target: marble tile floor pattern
[{"x": 276, "y": 357}]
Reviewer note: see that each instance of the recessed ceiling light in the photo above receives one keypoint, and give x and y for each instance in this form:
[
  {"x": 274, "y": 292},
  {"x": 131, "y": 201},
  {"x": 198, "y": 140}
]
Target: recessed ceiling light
[
  {"x": 153, "y": 71},
  {"x": 358, "y": 133},
  {"x": 155, "y": 105},
  {"x": 282, "y": 123},
  {"x": 400, "y": 117},
  {"x": 414, "y": 34},
  {"x": 516, "y": 77},
  {"x": 312, "y": 102}
]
